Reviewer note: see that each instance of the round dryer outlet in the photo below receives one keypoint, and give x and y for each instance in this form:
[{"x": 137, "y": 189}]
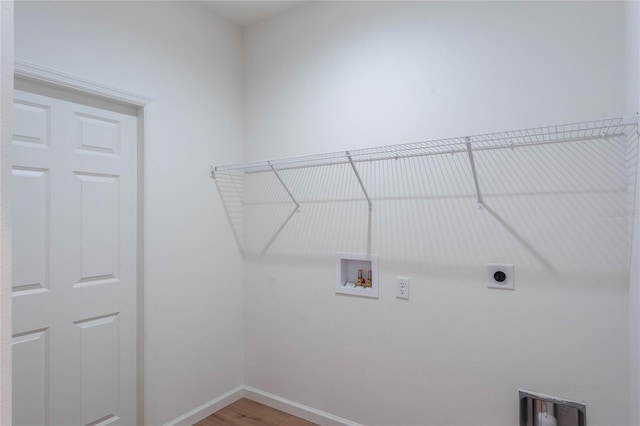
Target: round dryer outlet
[{"x": 500, "y": 275}]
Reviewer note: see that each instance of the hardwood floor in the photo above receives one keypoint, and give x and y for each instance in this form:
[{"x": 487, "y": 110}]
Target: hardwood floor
[{"x": 245, "y": 412}]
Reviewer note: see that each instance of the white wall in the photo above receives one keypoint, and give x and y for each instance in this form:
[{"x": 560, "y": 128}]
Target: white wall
[
  {"x": 633, "y": 106},
  {"x": 332, "y": 76},
  {"x": 339, "y": 75},
  {"x": 426, "y": 70},
  {"x": 189, "y": 62},
  {"x": 6, "y": 126}
]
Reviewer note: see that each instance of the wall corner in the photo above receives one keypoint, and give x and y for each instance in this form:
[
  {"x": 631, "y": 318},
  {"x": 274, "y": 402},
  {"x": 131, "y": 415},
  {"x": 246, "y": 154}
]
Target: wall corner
[{"x": 6, "y": 121}]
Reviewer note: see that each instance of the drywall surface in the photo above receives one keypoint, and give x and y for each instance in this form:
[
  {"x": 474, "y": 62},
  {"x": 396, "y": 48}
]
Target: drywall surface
[
  {"x": 632, "y": 27},
  {"x": 633, "y": 106},
  {"x": 189, "y": 62},
  {"x": 6, "y": 120},
  {"x": 339, "y": 75},
  {"x": 426, "y": 70}
]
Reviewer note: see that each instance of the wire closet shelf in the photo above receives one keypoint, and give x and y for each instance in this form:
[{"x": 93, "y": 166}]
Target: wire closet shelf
[
  {"x": 604, "y": 129},
  {"x": 575, "y": 132}
]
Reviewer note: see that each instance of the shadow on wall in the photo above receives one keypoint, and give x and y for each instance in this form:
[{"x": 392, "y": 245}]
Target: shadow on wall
[{"x": 562, "y": 208}]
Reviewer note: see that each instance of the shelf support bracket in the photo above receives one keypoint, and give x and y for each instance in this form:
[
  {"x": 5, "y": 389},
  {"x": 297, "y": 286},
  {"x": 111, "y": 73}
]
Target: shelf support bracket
[
  {"x": 285, "y": 186},
  {"x": 480, "y": 204},
  {"x": 364, "y": 190}
]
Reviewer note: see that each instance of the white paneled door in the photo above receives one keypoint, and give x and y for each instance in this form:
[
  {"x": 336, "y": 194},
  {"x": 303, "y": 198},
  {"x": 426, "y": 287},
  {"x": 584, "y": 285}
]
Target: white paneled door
[{"x": 74, "y": 251}]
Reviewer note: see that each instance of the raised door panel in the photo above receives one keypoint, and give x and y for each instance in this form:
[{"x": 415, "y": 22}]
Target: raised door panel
[
  {"x": 31, "y": 124},
  {"x": 30, "y": 206},
  {"x": 98, "y": 363},
  {"x": 31, "y": 378},
  {"x": 99, "y": 243},
  {"x": 97, "y": 135}
]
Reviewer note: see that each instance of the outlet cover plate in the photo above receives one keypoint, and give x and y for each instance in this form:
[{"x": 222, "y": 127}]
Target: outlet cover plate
[
  {"x": 402, "y": 287},
  {"x": 500, "y": 276}
]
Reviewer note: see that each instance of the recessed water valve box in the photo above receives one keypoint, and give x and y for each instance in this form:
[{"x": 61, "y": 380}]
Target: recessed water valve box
[
  {"x": 357, "y": 274},
  {"x": 500, "y": 275}
]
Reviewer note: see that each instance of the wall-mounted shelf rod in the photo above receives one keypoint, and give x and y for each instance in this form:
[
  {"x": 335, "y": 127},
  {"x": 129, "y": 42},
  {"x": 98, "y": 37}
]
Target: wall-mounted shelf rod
[
  {"x": 355, "y": 170},
  {"x": 603, "y": 130},
  {"x": 284, "y": 185},
  {"x": 475, "y": 175}
]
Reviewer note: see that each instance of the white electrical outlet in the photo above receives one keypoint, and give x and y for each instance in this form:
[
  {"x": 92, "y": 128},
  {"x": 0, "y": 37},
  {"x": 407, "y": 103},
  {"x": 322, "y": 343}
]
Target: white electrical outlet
[{"x": 402, "y": 287}]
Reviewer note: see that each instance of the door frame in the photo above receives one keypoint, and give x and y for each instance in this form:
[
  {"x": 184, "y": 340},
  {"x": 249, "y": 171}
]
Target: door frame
[{"x": 145, "y": 112}]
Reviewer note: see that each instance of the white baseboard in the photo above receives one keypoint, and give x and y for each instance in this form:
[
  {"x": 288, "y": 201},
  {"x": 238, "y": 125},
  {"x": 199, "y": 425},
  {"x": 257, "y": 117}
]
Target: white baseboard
[
  {"x": 208, "y": 408},
  {"x": 295, "y": 408},
  {"x": 274, "y": 401}
]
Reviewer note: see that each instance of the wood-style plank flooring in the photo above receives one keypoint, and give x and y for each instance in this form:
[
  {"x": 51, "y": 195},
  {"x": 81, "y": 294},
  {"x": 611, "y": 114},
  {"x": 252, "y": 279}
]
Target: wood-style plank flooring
[{"x": 245, "y": 412}]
